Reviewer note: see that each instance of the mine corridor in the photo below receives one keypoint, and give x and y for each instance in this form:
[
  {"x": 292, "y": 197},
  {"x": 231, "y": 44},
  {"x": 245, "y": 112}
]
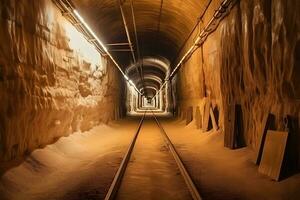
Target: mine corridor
[{"x": 149, "y": 99}]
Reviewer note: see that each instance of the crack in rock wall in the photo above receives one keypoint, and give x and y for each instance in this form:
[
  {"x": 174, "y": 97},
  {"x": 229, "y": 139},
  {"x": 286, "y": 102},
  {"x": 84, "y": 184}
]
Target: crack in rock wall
[
  {"x": 252, "y": 60},
  {"x": 48, "y": 87}
]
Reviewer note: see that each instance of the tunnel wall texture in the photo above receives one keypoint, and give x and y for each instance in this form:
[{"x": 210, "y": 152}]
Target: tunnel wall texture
[
  {"x": 252, "y": 60},
  {"x": 49, "y": 87}
]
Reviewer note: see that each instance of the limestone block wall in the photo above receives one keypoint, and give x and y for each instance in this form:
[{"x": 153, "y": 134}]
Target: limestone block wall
[
  {"x": 52, "y": 81},
  {"x": 252, "y": 60}
]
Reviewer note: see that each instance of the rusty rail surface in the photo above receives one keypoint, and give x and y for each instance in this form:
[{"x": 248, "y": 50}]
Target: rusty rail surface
[
  {"x": 116, "y": 183},
  {"x": 113, "y": 190},
  {"x": 187, "y": 178}
]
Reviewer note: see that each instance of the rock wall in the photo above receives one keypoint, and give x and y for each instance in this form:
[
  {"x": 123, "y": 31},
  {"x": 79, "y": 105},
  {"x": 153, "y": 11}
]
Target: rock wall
[
  {"x": 52, "y": 81},
  {"x": 252, "y": 60}
]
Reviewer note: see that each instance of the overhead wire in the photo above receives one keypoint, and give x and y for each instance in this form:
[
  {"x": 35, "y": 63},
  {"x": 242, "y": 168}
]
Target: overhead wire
[{"x": 140, "y": 61}]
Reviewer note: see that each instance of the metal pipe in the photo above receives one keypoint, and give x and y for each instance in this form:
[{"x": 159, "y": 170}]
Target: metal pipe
[
  {"x": 127, "y": 30},
  {"x": 194, "y": 28},
  {"x": 219, "y": 14},
  {"x": 65, "y": 6},
  {"x": 137, "y": 42},
  {"x": 159, "y": 16},
  {"x": 121, "y": 50},
  {"x": 118, "y": 44},
  {"x": 128, "y": 37},
  {"x": 209, "y": 28}
]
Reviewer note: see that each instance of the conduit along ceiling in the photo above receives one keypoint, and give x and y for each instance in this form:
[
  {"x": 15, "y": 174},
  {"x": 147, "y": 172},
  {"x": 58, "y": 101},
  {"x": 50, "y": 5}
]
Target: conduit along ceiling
[{"x": 145, "y": 37}]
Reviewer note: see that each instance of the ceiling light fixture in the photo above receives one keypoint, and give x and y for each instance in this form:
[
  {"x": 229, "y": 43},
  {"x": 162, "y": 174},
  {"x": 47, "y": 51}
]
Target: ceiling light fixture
[
  {"x": 91, "y": 32},
  {"x": 89, "y": 29},
  {"x": 220, "y": 13}
]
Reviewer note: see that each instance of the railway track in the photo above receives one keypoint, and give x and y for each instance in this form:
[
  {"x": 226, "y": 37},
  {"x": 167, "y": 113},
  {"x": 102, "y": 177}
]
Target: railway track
[{"x": 119, "y": 177}]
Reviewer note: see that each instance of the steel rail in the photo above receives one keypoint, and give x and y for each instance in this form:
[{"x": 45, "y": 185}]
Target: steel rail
[
  {"x": 112, "y": 191},
  {"x": 188, "y": 180},
  {"x": 116, "y": 183}
]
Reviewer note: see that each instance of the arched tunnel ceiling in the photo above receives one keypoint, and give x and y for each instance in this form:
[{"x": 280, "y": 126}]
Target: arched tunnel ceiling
[
  {"x": 154, "y": 62},
  {"x": 162, "y": 26},
  {"x": 160, "y": 35},
  {"x": 150, "y": 80},
  {"x": 148, "y": 70},
  {"x": 150, "y": 90}
]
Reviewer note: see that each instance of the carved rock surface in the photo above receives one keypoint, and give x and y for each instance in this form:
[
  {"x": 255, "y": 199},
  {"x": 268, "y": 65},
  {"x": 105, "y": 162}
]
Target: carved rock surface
[
  {"x": 252, "y": 59},
  {"x": 47, "y": 87}
]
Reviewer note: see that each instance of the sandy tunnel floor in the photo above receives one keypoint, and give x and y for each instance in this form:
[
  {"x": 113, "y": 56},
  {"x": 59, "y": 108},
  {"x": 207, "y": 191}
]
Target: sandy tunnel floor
[
  {"x": 82, "y": 166},
  {"x": 152, "y": 172},
  {"x": 221, "y": 173}
]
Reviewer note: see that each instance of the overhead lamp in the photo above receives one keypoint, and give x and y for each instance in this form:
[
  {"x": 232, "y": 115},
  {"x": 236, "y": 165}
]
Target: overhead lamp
[
  {"x": 102, "y": 46},
  {"x": 197, "y": 40},
  {"x": 89, "y": 29}
]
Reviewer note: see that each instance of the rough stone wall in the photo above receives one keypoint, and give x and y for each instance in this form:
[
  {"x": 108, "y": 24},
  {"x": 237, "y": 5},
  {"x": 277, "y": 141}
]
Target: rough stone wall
[
  {"x": 252, "y": 59},
  {"x": 190, "y": 80},
  {"x": 198, "y": 78},
  {"x": 48, "y": 88},
  {"x": 262, "y": 38}
]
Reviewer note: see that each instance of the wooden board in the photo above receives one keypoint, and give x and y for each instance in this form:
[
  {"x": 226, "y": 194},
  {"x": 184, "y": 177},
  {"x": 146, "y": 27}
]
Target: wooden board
[
  {"x": 273, "y": 154},
  {"x": 198, "y": 118},
  {"x": 205, "y": 123},
  {"x": 213, "y": 119},
  {"x": 189, "y": 115},
  {"x": 233, "y": 129},
  {"x": 239, "y": 137},
  {"x": 229, "y": 126},
  {"x": 179, "y": 112},
  {"x": 266, "y": 122}
]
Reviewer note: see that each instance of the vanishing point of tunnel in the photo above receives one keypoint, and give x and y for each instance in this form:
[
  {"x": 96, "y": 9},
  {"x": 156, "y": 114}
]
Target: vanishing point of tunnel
[{"x": 150, "y": 99}]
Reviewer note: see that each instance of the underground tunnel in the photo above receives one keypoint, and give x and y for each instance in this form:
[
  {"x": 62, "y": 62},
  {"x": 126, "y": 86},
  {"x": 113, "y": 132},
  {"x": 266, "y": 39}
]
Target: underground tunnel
[{"x": 149, "y": 99}]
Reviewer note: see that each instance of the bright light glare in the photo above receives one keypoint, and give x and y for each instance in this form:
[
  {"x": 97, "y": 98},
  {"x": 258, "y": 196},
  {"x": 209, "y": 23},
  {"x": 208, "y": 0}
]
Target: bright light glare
[
  {"x": 82, "y": 46},
  {"x": 102, "y": 45},
  {"x": 89, "y": 29},
  {"x": 197, "y": 40}
]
